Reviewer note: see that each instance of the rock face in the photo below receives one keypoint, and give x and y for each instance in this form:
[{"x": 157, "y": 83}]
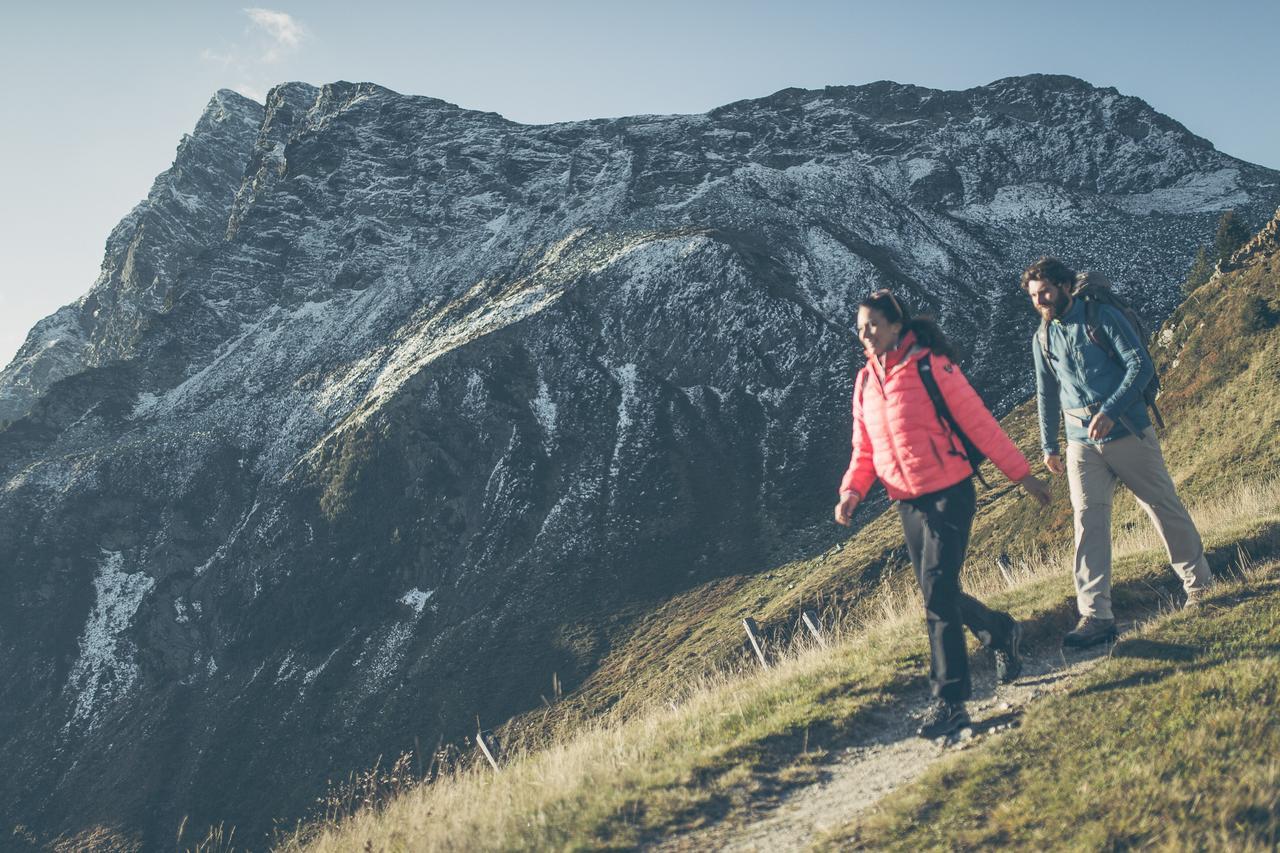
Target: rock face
[
  {"x": 381, "y": 408},
  {"x": 1263, "y": 244}
]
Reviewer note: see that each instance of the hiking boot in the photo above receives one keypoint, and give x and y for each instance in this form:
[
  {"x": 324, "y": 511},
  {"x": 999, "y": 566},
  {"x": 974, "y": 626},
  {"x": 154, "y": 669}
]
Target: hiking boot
[
  {"x": 1008, "y": 661},
  {"x": 1195, "y": 598},
  {"x": 943, "y": 719},
  {"x": 1090, "y": 631}
]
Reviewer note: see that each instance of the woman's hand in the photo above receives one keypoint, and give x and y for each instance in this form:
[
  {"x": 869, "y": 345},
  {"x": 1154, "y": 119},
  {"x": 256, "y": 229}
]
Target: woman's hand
[
  {"x": 844, "y": 510},
  {"x": 1036, "y": 487}
]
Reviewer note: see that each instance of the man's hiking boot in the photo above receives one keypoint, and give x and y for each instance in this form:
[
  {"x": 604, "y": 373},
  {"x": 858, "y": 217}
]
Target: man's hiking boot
[
  {"x": 1195, "y": 598},
  {"x": 1090, "y": 631},
  {"x": 1008, "y": 660},
  {"x": 943, "y": 719}
]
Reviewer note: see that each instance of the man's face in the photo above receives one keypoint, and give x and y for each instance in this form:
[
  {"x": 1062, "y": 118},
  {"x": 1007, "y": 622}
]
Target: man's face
[{"x": 1050, "y": 301}]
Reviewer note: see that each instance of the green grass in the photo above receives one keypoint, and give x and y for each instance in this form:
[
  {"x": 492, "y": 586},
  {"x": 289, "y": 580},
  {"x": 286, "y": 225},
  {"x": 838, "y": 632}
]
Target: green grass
[{"x": 1171, "y": 743}]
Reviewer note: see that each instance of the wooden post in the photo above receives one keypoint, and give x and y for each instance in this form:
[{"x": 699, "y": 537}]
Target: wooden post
[
  {"x": 752, "y": 629},
  {"x": 484, "y": 747},
  {"x": 1005, "y": 565},
  {"x": 810, "y": 620}
]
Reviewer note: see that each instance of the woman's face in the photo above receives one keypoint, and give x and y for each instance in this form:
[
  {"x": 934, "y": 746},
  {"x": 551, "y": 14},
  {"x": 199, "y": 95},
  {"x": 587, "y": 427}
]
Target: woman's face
[{"x": 877, "y": 334}]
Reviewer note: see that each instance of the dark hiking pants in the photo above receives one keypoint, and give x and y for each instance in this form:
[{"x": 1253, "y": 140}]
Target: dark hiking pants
[{"x": 937, "y": 530}]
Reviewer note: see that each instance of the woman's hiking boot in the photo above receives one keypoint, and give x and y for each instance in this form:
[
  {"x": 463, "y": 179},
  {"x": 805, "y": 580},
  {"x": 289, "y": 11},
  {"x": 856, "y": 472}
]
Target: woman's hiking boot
[
  {"x": 1007, "y": 657},
  {"x": 1090, "y": 631},
  {"x": 943, "y": 719}
]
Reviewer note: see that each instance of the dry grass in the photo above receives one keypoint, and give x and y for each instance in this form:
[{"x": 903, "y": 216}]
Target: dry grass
[{"x": 567, "y": 794}]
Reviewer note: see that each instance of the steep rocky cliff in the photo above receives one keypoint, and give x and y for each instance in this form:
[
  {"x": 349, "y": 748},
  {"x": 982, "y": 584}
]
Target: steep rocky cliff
[{"x": 382, "y": 409}]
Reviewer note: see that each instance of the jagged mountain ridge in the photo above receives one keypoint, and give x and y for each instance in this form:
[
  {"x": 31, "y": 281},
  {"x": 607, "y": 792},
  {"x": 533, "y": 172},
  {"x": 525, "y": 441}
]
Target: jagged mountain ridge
[{"x": 380, "y": 405}]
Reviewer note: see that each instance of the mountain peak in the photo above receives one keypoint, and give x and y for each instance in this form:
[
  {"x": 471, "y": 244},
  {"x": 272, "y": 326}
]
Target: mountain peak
[
  {"x": 1054, "y": 82},
  {"x": 231, "y": 99},
  {"x": 226, "y": 106}
]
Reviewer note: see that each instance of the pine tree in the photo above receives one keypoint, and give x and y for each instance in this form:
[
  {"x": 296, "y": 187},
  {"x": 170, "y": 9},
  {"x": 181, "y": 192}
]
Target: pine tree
[
  {"x": 1200, "y": 272},
  {"x": 1231, "y": 235}
]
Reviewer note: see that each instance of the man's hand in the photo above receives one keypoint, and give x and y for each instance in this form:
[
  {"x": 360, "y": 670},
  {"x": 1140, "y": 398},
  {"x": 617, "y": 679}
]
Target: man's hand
[
  {"x": 1053, "y": 462},
  {"x": 1100, "y": 426},
  {"x": 1036, "y": 487},
  {"x": 844, "y": 510}
]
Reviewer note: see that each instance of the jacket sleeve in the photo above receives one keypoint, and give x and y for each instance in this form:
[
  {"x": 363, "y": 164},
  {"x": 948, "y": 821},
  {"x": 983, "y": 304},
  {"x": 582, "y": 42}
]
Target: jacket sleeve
[
  {"x": 1048, "y": 398},
  {"x": 861, "y": 474},
  {"x": 977, "y": 421},
  {"x": 1138, "y": 368}
]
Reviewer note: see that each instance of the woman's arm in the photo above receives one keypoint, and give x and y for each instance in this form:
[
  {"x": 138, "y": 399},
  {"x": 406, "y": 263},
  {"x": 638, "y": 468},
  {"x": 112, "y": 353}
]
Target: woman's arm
[
  {"x": 977, "y": 421},
  {"x": 861, "y": 473}
]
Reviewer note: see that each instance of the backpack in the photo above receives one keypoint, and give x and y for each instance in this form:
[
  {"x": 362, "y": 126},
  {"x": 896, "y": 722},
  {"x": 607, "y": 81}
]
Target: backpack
[
  {"x": 972, "y": 454},
  {"x": 1094, "y": 289}
]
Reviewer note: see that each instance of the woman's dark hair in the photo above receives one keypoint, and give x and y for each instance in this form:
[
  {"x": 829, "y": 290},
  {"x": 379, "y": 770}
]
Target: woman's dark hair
[{"x": 926, "y": 330}]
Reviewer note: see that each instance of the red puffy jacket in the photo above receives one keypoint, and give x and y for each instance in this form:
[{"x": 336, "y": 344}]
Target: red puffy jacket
[{"x": 899, "y": 438}]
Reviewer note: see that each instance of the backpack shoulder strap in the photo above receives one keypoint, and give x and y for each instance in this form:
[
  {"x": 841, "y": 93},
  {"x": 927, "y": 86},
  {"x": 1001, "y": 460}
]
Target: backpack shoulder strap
[
  {"x": 943, "y": 412},
  {"x": 1093, "y": 328}
]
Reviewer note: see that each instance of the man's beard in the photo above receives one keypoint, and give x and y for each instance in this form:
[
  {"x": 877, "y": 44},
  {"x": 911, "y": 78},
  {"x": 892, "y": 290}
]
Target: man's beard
[{"x": 1056, "y": 310}]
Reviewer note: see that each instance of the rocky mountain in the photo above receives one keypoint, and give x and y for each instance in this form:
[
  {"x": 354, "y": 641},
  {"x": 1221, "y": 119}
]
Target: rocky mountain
[{"x": 382, "y": 411}]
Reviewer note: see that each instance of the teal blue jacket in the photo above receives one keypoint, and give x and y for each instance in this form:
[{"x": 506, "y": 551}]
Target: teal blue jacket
[{"x": 1080, "y": 376}]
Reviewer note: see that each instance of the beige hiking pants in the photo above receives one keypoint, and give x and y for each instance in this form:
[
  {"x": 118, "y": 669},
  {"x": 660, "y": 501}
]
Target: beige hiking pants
[{"x": 1092, "y": 472}]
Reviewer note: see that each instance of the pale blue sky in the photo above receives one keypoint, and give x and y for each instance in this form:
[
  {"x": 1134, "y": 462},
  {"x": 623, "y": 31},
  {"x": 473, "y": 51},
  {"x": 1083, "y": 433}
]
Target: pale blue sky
[{"x": 97, "y": 95}]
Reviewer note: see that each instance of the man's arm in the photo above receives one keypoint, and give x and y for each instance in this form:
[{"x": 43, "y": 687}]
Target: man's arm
[
  {"x": 1048, "y": 402},
  {"x": 1138, "y": 368}
]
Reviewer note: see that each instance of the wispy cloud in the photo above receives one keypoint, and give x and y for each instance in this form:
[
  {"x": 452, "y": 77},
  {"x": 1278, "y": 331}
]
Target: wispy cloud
[
  {"x": 282, "y": 29},
  {"x": 218, "y": 57},
  {"x": 269, "y": 39}
]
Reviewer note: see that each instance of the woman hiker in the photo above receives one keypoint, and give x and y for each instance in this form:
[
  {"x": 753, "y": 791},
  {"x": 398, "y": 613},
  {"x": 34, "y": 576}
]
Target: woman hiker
[{"x": 902, "y": 438}]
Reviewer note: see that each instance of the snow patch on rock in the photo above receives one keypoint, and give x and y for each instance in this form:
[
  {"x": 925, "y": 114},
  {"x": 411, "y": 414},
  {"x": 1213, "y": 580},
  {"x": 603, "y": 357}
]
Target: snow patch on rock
[
  {"x": 626, "y": 377},
  {"x": 1197, "y": 192},
  {"x": 106, "y": 669},
  {"x": 416, "y": 599},
  {"x": 544, "y": 410}
]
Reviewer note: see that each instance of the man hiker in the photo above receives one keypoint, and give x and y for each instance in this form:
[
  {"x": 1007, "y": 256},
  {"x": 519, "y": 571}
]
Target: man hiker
[{"x": 1092, "y": 369}]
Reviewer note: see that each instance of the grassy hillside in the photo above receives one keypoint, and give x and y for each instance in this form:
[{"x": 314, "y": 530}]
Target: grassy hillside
[{"x": 694, "y": 735}]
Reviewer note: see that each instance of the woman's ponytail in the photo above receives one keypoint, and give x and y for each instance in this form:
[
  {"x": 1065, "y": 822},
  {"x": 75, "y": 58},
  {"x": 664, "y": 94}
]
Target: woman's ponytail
[
  {"x": 926, "y": 330},
  {"x": 930, "y": 336}
]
